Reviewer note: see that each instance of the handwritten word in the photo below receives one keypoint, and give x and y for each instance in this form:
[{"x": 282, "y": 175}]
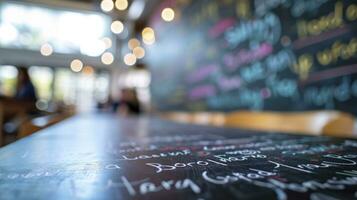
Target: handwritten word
[
  {"x": 243, "y": 152},
  {"x": 351, "y": 12},
  {"x": 303, "y": 65},
  {"x": 348, "y": 172},
  {"x": 250, "y": 142},
  {"x": 337, "y": 160},
  {"x": 346, "y": 159},
  {"x": 266, "y": 29},
  {"x": 173, "y": 138},
  {"x": 225, "y": 159},
  {"x": 219, "y": 148},
  {"x": 160, "y": 167},
  {"x": 160, "y": 155},
  {"x": 323, "y": 24},
  {"x": 244, "y": 98},
  {"x": 28, "y": 175},
  {"x": 337, "y": 51},
  {"x": 284, "y": 87},
  {"x": 272, "y": 64},
  {"x": 142, "y": 188},
  {"x": 279, "y": 186},
  {"x": 112, "y": 166},
  {"x": 250, "y": 178},
  {"x": 280, "y": 60},
  {"x": 305, "y": 186},
  {"x": 168, "y": 185},
  {"x": 237, "y": 176},
  {"x": 315, "y": 149},
  {"x": 283, "y": 147},
  {"x": 298, "y": 7},
  {"x": 302, "y": 6},
  {"x": 325, "y": 95},
  {"x": 253, "y": 73},
  {"x": 264, "y": 6}
]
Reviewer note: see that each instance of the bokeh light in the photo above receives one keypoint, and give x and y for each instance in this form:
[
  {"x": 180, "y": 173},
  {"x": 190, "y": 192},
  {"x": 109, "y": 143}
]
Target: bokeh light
[
  {"x": 133, "y": 43},
  {"x": 139, "y": 52},
  {"x": 88, "y": 70},
  {"x": 107, "y": 5},
  {"x": 76, "y": 65},
  {"x": 168, "y": 14},
  {"x": 117, "y": 27},
  {"x": 148, "y": 35},
  {"x": 46, "y": 49},
  {"x": 107, "y": 58},
  {"x": 121, "y": 4},
  {"x": 129, "y": 59}
]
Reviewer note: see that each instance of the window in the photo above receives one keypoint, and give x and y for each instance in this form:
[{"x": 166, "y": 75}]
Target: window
[
  {"x": 8, "y": 78},
  {"x": 29, "y": 27},
  {"x": 42, "y": 78}
]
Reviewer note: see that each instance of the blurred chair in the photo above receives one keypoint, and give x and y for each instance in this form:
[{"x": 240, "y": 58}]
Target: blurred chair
[{"x": 332, "y": 123}]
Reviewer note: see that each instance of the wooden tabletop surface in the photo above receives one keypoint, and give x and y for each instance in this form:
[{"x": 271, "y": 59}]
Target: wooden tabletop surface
[{"x": 103, "y": 156}]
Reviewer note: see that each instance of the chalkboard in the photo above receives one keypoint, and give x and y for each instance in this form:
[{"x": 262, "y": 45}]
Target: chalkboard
[
  {"x": 261, "y": 55},
  {"x": 106, "y": 157}
]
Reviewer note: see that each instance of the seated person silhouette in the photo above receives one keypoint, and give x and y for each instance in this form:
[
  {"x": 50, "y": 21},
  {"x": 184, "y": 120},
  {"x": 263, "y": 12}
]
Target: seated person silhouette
[{"x": 25, "y": 90}]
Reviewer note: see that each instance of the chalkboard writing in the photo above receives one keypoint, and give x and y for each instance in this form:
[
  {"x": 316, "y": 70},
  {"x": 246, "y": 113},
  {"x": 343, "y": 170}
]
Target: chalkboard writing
[
  {"x": 260, "y": 55},
  {"x": 141, "y": 158}
]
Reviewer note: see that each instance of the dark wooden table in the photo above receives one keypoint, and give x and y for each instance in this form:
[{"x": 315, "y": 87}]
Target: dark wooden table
[{"x": 102, "y": 156}]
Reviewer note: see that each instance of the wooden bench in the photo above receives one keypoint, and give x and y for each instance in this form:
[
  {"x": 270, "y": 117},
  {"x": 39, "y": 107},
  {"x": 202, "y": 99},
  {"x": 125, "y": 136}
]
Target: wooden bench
[
  {"x": 10, "y": 108},
  {"x": 310, "y": 122},
  {"x": 33, "y": 125}
]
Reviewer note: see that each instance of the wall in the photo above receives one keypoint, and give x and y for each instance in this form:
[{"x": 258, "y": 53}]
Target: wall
[{"x": 263, "y": 55}]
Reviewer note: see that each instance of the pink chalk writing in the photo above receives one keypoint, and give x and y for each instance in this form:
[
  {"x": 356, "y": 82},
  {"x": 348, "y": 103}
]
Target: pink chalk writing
[
  {"x": 229, "y": 83},
  {"x": 202, "y": 91},
  {"x": 202, "y": 73},
  {"x": 234, "y": 61},
  {"x": 220, "y": 27}
]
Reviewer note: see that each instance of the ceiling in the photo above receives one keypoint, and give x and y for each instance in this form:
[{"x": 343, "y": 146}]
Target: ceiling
[{"x": 94, "y": 5}]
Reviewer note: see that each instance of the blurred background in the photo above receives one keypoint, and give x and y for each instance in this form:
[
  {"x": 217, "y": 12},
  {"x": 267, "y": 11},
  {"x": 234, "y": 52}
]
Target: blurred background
[
  {"x": 73, "y": 50},
  {"x": 148, "y": 56}
]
